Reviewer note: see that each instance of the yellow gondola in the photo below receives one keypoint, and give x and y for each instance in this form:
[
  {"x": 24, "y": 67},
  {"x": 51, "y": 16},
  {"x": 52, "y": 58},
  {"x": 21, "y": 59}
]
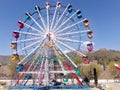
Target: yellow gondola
[
  {"x": 90, "y": 34},
  {"x": 15, "y": 57},
  {"x": 13, "y": 45},
  {"x": 86, "y": 23}
]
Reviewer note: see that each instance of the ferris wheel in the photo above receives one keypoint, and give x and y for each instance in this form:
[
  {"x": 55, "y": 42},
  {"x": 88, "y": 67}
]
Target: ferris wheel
[{"x": 49, "y": 32}]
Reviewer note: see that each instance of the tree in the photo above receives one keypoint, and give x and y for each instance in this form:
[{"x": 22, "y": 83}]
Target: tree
[
  {"x": 12, "y": 67},
  {"x": 78, "y": 60},
  {"x": 87, "y": 70}
]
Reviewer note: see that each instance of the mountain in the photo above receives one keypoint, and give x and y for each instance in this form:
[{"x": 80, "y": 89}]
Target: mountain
[
  {"x": 102, "y": 53},
  {"x": 4, "y": 59},
  {"x": 105, "y": 54}
]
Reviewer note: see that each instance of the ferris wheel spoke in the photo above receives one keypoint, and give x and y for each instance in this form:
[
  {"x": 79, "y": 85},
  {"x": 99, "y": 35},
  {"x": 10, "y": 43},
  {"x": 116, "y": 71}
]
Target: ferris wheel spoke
[
  {"x": 56, "y": 19},
  {"x": 26, "y": 40},
  {"x": 72, "y": 33},
  {"x": 65, "y": 21},
  {"x": 48, "y": 24},
  {"x": 32, "y": 28},
  {"x": 53, "y": 18},
  {"x": 69, "y": 40},
  {"x": 41, "y": 17},
  {"x": 28, "y": 54},
  {"x": 36, "y": 22},
  {"x": 32, "y": 34},
  {"x": 70, "y": 48},
  {"x": 39, "y": 45},
  {"x": 30, "y": 45},
  {"x": 65, "y": 55},
  {"x": 35, "y": 57},
  {"x": 60, "y": 17},
  {"x": 70, "y": 26}
]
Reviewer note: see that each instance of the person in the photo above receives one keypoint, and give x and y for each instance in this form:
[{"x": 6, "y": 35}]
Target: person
[
  {"x": 103, "y": 87},
  {"x": 86, "y": 80}
]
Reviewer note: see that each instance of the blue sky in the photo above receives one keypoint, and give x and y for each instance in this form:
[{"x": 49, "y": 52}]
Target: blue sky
[{"x": 104, "y": 17}]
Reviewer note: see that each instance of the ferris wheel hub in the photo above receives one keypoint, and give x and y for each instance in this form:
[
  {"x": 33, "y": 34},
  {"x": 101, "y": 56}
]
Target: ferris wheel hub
[{"x": 50, "y": 36}]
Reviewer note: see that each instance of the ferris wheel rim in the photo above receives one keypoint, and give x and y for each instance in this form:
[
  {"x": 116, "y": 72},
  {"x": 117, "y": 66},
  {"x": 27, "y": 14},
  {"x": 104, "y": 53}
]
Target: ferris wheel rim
[{"x": 51, "y": 27}]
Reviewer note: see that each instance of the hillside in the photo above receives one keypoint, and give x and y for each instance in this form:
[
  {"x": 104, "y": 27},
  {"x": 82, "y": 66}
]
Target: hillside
[
  {"x": 105, "y": 54},
  {"x": 4, "y": 59},
  {"x": 102, "y": 57}
]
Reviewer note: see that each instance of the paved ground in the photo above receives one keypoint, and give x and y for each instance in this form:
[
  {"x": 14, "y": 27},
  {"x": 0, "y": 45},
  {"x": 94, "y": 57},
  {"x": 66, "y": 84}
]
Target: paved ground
[
  {"x": 110, "y": 86},
  {"x": 95, "y": 88},
  {"x": 114, "y": 86}
]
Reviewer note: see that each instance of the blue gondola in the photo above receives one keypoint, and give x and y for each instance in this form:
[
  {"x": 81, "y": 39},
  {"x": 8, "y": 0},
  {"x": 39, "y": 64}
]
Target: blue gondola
[
  {"x": 79, "y": 15},
  {"x": 28, "y": 77},
  {"x": 70, "y": 8},
  {"x": 20, "y": 67}
]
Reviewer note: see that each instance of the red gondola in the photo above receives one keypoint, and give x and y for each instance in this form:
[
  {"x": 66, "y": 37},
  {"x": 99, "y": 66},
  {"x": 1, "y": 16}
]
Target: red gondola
[
  {"x": 86, "y": 61},
  {"x": 16, "y": 34},
  {"x": 90, "y": 47},
  {"x": 20, "y": 24}
]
